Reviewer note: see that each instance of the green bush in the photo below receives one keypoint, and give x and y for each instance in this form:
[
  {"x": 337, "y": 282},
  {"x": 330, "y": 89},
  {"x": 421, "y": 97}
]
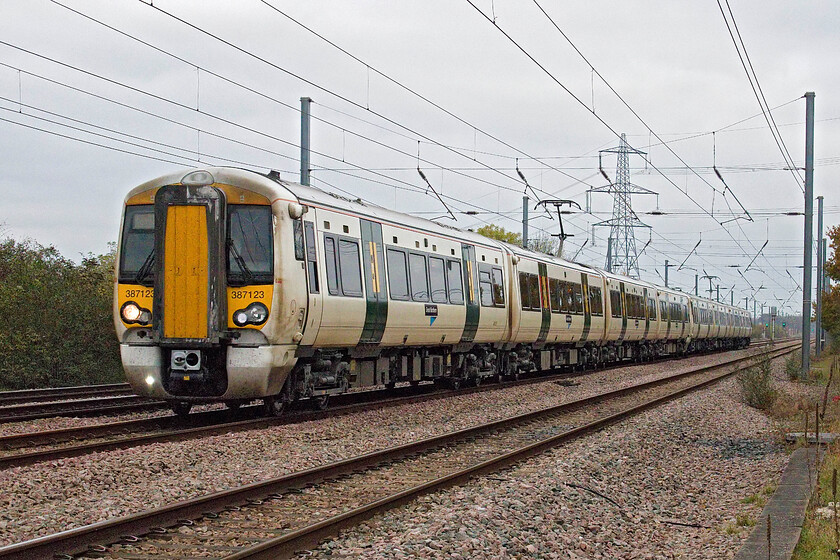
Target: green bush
[
  {"x": 793, "y": 364},
  {"x": 55, "y": 318},
  {"x": 756, "y": 385}
]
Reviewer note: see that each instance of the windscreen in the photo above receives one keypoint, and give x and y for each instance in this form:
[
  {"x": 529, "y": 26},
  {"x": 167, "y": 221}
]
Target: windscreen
[
  {"x": 250, "y": 254},
  {"x": 138, "y": 245}
]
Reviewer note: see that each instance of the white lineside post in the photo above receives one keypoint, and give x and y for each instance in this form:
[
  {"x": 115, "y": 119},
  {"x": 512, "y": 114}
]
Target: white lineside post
[{"x": 809, "y": 227}]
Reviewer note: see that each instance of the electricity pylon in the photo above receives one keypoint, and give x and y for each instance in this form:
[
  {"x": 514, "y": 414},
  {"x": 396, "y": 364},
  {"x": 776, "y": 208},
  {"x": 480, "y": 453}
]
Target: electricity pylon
[{"x": 621, "y": 247}]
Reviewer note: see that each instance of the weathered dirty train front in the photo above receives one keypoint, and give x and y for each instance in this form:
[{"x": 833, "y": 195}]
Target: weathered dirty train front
[{"x": 210, "y": 297}]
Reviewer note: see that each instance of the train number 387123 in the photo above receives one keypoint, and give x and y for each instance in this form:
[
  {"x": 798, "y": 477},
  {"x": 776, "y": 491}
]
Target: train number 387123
[
  {"x": 247, "y": 294},
  {"x": 139, "y": 293}
]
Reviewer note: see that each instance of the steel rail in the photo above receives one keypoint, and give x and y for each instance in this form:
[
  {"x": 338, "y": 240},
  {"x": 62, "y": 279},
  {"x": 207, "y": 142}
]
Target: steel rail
[
  {"x": 214, "y": 422},
  {"x": 78, "y": 407},
  {"x": 77, "y": 540},
  {"x": 55, "y": 393}
]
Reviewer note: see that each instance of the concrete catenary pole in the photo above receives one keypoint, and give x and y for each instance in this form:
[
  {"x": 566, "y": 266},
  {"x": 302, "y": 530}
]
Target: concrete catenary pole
[
  {"x": 304, "y": 140},
  {"x": 809, "y": 232},
  {"x": 818, "y": 331},
  {"x": 666, "y": 273},
  {"x": 696, "y": 285}
]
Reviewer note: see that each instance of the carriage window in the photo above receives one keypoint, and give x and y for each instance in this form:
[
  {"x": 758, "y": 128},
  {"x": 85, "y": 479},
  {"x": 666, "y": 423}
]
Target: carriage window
[
  {"x": 524, "y": 294},
  {"x": 397, "y": 275},
  {"x": 332, "y": 270},
  {"x": 568, "y": 298},
  {"x": 485, "y": 287},
  {"x": 437, "y": 280},
  {"x": 297, "y": 227},
  {"x": 311, "y": 257},
  {"x": 138, "y": 245},
  {"x": 351, "y": 268},
  {"x": 578, "y": 298},
  {"x": 453, "y": 279},
  {"x": 498, "y": 288},
  {"x": 554, "y": 294},
  {"x": 596, "y": 306},
  {"x": 419, "y": 279},
  {"x": 534, "y": 291},
  {"x": 615, "y": 303},
  {"x": 250, "y": 252}
]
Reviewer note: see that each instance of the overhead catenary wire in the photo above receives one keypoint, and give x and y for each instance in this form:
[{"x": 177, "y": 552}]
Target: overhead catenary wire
[
  {"x": 366, "y": 179},
  {"x": 587, "y": 108},
  {"x": 758, "y": 92},
  {"x": 320, "y": 87},
  {"x": 407, "y": 88},
  {"x": 214, "y": 116},
  {"x": 294, "y": 108}
]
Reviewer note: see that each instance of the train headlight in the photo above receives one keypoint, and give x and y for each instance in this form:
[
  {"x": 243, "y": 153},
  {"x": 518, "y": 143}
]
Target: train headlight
[
  {"x": 254, "y": 314},
  {"x": 133, "y": 313},
  {"x": 130, "y": 312}
]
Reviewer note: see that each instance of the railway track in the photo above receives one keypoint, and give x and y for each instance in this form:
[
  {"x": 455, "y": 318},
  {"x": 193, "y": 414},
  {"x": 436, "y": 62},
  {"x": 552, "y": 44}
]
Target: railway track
[
  {"x": 78, "y": 407},
  {"x": 49, "y": 445},
  {"x": 33, "y": 404},
  {"x": 57, "y": 393},
  {"x": 275, "y": 518}
]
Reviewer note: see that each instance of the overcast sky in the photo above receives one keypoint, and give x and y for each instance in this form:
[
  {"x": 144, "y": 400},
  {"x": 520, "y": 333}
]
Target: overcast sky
[{"x": 87, "y": 113}]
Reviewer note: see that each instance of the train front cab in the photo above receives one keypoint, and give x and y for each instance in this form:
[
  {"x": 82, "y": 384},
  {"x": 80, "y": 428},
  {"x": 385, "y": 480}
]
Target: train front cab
[{"x": 198, "y": 284}]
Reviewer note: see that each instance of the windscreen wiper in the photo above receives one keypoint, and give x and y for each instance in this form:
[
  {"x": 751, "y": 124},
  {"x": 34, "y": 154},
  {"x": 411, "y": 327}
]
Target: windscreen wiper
[
  {"x": 248, "y": 276},
  {"x": 146, "y": 267}
]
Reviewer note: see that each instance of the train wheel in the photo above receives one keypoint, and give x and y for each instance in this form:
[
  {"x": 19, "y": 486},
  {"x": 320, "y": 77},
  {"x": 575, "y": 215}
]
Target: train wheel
[
  {"x": 477, "y": 381},
  {"x": 455, "y": 383},
  {"x": 181, "y": 408},
  {"x": 321, "y": 402},
  {"x": 233, "y": 405},
  {"x": 274, "y": 406}
]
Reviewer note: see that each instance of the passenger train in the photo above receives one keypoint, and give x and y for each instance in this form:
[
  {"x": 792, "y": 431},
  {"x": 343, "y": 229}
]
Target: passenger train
[{"x": 232, "y": 285}]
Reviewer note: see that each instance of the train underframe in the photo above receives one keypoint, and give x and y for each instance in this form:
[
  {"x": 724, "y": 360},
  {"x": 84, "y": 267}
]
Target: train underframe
[{"x": 322, "y": 373}]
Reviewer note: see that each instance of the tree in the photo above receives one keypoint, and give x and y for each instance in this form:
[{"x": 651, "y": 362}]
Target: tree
[
  {"x": 831, "y": 300},
  {"x": 495, "y": 232},
  {"x": 545, "y": 243},
  {"x": 56, "y": 325}
]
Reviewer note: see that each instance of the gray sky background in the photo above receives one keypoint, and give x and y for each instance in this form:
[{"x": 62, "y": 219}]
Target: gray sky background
[{"x": 673, "y": 62}]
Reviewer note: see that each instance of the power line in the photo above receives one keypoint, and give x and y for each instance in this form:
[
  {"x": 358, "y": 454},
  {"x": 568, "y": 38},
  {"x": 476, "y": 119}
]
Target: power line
[
  {"x": 297, "y": 109},
  {"x": 759, "y": 93},
  {"x": 407, "y": 88},
  {"x": 318, "y": 86},
  {"x": 600, "y": 119},
  {"x": 215, "y": 117}
]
